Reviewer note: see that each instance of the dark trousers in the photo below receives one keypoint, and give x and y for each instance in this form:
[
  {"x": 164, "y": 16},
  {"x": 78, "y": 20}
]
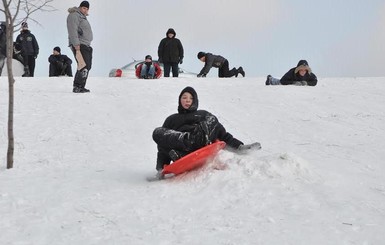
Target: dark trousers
[
  {"x": 225, "y": 72},
  {"x": 2, "y": 62},
  {"x": 169, "y": 139},
  {"x": 29, "y": 65},
  {"x": 55, "y": 71},
  {"x": 171, "y": 65},
  {"x": 81, "y": 76}
]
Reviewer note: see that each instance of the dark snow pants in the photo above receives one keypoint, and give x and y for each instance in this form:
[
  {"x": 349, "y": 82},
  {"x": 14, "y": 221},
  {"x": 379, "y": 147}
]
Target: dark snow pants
[
  {"x": 169, "y": 139},
  {"x": 81, "y": 76},
  {"x": 224, "y": 71}
]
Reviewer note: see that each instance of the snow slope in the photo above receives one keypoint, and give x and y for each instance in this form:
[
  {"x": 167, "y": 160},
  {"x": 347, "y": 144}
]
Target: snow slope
[{"x": 81, "y": 162}]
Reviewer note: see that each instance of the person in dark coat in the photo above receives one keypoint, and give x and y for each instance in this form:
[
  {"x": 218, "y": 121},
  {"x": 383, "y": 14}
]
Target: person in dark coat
[
  {"x": 170, "y": 53},
  {"x": 29, "y": 49},
  {"x": 219, "y": 62},
  {"x": 3, "y": 46},
  {"x": 301, "y": 75},
  {"x": 148, "y": 69},
  {"x": 59, "y": 64},
  {"x": 189, "y": 130}
]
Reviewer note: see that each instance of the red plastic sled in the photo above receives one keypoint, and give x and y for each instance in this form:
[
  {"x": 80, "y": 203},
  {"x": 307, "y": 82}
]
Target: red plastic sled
[{"x": 195, "y": 159}]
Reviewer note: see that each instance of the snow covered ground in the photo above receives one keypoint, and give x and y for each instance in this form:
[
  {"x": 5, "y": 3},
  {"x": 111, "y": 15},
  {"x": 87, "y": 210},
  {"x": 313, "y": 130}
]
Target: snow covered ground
[{"x": 81, "y": 161}]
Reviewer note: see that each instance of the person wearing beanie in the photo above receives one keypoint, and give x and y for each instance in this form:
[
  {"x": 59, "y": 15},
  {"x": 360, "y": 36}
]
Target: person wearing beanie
[
  {"x": 148, "y": 69},
  {"x": 191, "y": 129},
  {"x": 219, "y": 62},
  {"x": 301, "y": 75},
  {"x": 29, "y": 49},
  {"x": 59, "y": 64},
  {"x": 170, "y": 53},
  {"x": 80, "y": 37}
]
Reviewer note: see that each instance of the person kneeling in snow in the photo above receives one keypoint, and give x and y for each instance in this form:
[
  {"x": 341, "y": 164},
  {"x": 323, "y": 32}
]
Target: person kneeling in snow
[
  {"x": 148, "y": 70},
  {"x": 191, "y": 129},
  {"x": 219, "y": 62},
  {"x": 300, "y": 75}
]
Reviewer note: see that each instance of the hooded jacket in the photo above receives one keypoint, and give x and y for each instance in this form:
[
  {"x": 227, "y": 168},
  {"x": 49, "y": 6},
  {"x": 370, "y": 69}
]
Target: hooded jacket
[
  {"x": 79, "y": 29},
  {"x": 212, "y": 60},
  {"x": 186, "y": 120},
  {"x": 170, "y": 49},
  {"x": 293, "y": 76}
]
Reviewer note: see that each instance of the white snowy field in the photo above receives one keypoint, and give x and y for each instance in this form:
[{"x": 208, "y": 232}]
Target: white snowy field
[{"x": 81, "y": 161}]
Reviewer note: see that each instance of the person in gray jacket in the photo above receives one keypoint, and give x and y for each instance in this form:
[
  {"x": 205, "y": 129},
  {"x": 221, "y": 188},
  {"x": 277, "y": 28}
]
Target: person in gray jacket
[
  {"x": 219, "y": 62},
  {"x": 80, "y": 37}
]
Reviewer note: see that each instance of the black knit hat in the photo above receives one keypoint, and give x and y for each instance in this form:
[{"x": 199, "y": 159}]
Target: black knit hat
[
  {"x": 57, "y": 49},
  {"x": 85, "y": 4},
  {"x": 148, "y": 57},
  {"x": 24, "y": 25},
  {"x": 201, "y": 54}
]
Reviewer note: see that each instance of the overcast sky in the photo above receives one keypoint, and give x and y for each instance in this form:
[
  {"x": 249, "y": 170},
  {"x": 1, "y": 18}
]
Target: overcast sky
[{"x": 337, "y": 37}]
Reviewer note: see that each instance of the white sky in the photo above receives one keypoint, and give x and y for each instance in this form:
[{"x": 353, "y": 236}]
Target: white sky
[{"x": 338, "y": 38}]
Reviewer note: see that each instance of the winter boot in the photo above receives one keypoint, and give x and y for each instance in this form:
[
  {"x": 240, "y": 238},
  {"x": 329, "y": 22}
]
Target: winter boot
[
  {"x": 26, "y": 72},
  {"x": 268, "y": 80},
  {"x": 80, "y": 90},
  {"x": 241, "y": 71}
]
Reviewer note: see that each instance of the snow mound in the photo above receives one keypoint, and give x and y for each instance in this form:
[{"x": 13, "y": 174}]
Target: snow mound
[
  {"x": 276, "y": 166},
  {"x": 251, "y": 167}
]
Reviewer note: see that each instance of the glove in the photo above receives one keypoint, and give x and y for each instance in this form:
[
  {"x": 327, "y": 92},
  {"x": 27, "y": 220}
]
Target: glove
[
  {"x": 300, "y": 83},
  {"x": 201, "y": 75},
  {"x": 246, "y": 148},
  {"x": 180, "y": 61}
]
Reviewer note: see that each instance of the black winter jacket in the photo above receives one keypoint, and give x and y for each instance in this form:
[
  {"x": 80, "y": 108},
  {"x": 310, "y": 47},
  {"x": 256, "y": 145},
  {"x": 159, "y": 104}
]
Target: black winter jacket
[
  {"x": 187, "y": 120},
  {"x": 212, "y": 61},
  {"x": 291, "y": 77},
  {"x": 170, "y": 49},
  {"x": 28, "y": 43}
]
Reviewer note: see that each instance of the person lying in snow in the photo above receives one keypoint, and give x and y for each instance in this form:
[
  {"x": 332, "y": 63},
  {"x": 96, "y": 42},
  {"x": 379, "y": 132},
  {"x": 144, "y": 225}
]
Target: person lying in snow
[
  {"x": 301, "y": 75},
  {"x": 189, "y": 130}
]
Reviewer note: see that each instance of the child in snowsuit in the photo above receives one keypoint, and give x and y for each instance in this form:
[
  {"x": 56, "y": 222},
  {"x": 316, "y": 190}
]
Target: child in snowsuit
[
  {"x": 148, "y": 70},
  {"x": 219, "y": 62},
  {"x": 189, "y": 130},
  {"x": 301, "y": 75}
]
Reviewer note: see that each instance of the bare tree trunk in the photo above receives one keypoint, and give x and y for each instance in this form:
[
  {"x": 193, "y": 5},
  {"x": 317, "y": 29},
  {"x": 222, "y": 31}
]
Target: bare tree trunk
[
  {"x": 11, "y": 139},
  {"x": 11, "y": 82},
  {"x": 11, "y": 11}
]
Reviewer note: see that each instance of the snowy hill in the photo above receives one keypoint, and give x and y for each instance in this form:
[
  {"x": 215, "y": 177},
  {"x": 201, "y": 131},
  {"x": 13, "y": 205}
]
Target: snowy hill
[{"x": 81, "y": 162}]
